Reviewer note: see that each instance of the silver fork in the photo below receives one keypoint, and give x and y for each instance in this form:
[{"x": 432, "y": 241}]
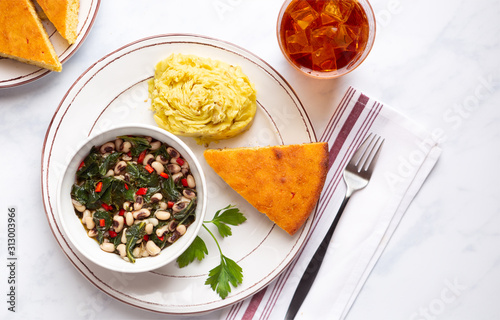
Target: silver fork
[{"x": 357, "y": 174}]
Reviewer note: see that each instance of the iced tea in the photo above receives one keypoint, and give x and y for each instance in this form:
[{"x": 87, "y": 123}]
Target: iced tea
[{"x": 324, "y": 35}]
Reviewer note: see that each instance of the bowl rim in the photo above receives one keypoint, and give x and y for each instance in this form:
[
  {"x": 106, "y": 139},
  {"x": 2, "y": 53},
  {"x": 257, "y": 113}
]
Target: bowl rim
[
  {"x": 121, "y": 265},
  {"x": 367, "y": 7}
]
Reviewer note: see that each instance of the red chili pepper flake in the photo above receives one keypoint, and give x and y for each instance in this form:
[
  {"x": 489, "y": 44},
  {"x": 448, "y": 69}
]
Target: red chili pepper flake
[
  {"x": 141, "y": 156},
  {"x": 81, "y": 165},
  {"x": 180, "y": 161},
  {"x": 164, "y": 175},
  {"x": 146, "y": 237},
  {"x": 102, "y": 222},
  {"x": 170, "y": 204},
  {"x": 126, "y": 186},
  {"x": 129, "y": 153},
  {"x": 106, "y": 207},
  {"x": 161, "y": 238},
  {"x": 149, "y": 168},
  {"x": 184, "y": 182},
  {"x": 121, "y": 212},
  {"x": 112, "y": 234},
  {"x": 141, "y": 191},
  {"x": 98, "y": 187}
]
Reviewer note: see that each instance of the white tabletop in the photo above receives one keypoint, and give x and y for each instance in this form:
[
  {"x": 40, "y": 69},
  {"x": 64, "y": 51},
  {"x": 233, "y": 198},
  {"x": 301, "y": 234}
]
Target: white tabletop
[{"x": 434, "y": 61}]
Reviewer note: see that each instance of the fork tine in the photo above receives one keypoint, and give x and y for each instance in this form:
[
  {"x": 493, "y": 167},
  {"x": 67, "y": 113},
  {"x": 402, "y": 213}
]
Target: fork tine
[
  {"x": 376, "y": 152},
  {"x": 358, "y": 156}
]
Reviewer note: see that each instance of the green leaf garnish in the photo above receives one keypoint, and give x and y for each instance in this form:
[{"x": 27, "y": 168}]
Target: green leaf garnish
[
  {"x": 197, "y": 249},
  {"x": 228, "y": 215},
  {"x": 228, "y": 273}
]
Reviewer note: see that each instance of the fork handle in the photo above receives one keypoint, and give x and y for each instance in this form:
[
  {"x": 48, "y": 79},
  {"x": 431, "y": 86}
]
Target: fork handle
[{"x": 313, "y": 267}]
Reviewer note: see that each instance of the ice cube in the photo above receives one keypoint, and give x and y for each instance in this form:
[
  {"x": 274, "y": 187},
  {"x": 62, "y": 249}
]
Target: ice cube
[
  {"x": 324, "y": 59},
  {"x": 339, "y": 10},
  {"x": 297, "y": 42},
  {"x": 303, "y": 14}
]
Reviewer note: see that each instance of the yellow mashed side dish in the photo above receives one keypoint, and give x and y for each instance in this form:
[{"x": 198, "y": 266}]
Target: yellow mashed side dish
[{"x": 202, "y": 98}]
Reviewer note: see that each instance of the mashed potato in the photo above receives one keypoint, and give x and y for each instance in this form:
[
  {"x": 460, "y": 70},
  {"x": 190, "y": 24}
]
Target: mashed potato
[{"x": 202, "y": 98}]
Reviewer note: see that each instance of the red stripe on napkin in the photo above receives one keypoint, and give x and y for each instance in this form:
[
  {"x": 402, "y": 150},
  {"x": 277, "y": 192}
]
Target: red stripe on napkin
[
  {"x": 253, "y": 305},
  {"x": 346, "y": 129}
]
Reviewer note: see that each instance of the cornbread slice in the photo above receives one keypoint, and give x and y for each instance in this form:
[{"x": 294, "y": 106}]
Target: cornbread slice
[
  {"x": 22, "y": 36},
  {"x": 283, "y": 182},
  {"x": 64, "y": 16}
]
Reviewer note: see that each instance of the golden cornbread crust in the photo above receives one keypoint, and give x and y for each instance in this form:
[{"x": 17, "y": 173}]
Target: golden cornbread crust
[
  {"x": 64, "y": 16},
  {"x": 22, "y": 36},
  {"x": 283, "y": 182}
]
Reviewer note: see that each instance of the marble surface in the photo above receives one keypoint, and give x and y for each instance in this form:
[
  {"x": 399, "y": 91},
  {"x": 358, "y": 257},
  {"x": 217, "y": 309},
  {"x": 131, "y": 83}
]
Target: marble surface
[{"x": 436, "y": 62}]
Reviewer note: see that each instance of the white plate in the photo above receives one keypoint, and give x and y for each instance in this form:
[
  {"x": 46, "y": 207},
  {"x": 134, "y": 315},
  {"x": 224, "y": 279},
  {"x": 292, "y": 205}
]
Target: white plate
[
  {"x": 114, "y": 92},
  {"x": 14, "y": 73}
]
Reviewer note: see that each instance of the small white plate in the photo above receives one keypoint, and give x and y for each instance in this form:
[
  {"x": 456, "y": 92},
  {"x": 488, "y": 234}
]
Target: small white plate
[
  {"x": 14, "y": 73},
  {"x": 114, "y": 92}
]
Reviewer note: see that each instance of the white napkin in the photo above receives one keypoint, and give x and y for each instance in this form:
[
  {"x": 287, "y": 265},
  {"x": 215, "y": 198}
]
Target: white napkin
[{"x": 369, "y": 220}]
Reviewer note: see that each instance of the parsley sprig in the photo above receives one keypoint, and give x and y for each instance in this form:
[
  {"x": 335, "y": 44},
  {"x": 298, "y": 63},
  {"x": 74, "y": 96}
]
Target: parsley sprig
[{"x": 228, "y": 273}]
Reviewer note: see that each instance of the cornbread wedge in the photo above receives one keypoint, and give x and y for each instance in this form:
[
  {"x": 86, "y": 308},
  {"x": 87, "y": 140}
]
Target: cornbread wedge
[
  {"x": 283, "y": 182},
  {"x": 22, "y": 36},
  {"x": 64, "y": 16}
]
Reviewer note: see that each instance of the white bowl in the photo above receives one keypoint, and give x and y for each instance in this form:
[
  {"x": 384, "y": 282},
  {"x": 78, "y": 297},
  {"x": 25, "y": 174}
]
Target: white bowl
[{"x": 87, "y": 246}]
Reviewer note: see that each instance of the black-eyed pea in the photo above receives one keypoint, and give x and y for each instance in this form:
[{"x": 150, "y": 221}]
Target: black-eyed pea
[
  {"x": 162, "y": 215},
  {"x": 108, "y": 247},
  {"x": 139, "y": 202},
  {"x": 179, "y": 206},
  {"x": 86, "y": 214},
  {"x": 155, "y": 145},
  {"x": 129, "y": 218},
  {"x": 190, "y": 181},
  {"x": 163, "y": 205},
  {"x": 110, "y": 173},
  {"x": 124, "y": 236},
  {"x": 136, "y": 252},
  {"x": 126, "y": 205},
  {"x": 152, "y": 248},
  {"x": 173, "y": 168},
  {"x": 126, "y": 157},
  {"x": 188, "y": 193},
  {"x": 173, "y": 153},
  {"x": 107, "y": 147},
  {"x": 144, "y": 253},
  {"x": 173, "y": 237},
  {"x": 176, "y": 177},
  {"x": 157, "y": 197},
  {"x": 78, "y": 206},
  {"x": 118, "y": 223},
  {"x": 148, "y": 159},
  {"x": 149, "y": 228},
  {"x": 118, "y": 144},
  {"x": 125, "y": 147},
  {"x": 181, "y": 229},
  {"x": 153, "y": 221},
  {"x": 142, "y": 214},
  {"x": 159, "y": 168},
  {"x": 161, "y": 159},
  {"x": 89, "y": 222},
  {"x": 121, "y": 249},
  {"x": 172, "y": 225},
  {"x": 92, "y": 233},
  {"x": 161, "y": 231},
  {"x": 120, "y": 167}
]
